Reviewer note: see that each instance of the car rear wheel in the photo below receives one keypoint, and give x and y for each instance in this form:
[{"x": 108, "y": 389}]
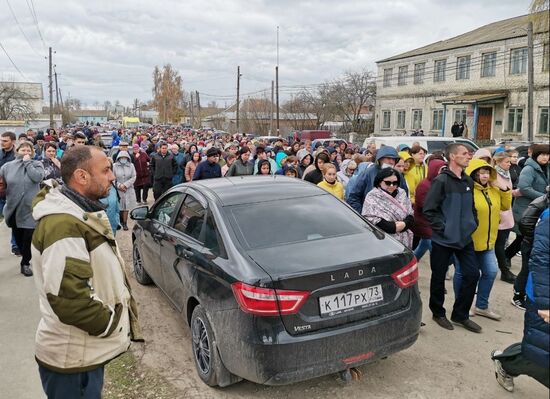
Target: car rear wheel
[
  {"x": 205, "y": 352},
  {"x": 142, "y": 276}
]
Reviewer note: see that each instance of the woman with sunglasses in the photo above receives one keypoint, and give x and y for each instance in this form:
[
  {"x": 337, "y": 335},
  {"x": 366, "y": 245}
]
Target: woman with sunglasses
[{"x": 388, "y": 207}]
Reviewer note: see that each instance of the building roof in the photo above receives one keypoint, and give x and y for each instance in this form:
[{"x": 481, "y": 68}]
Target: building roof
[
  {"x": 496, "y": 31},
  {"x": 472, "y": 98},
  {"x": 91, "y": 112}
]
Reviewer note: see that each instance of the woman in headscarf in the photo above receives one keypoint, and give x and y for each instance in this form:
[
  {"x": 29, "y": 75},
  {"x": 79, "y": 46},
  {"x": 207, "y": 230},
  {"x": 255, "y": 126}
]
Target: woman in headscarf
[
  {"x": 125, "y": 175},
  {"x": 347, "y": 169},
  {"x": 22, "y": 178},
  {"x": 388, "y": 207}
]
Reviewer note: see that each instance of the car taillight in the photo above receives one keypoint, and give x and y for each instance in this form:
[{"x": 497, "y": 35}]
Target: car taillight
[
  {"x": 406, "y": 276},
  {"x": 267, "y": 301}
]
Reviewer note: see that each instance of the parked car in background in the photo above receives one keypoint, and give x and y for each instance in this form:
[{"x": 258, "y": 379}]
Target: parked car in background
[
  {"x": 326, "y": 142},
  {"x": 431, "y": 143},
  {"x": 272, "y": 292}
]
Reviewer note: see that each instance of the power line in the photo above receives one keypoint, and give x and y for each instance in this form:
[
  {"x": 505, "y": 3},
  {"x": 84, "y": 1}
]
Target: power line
[
  {"x": 35, "y": 19},
  {"x": 21, "y": 29},
  {"x": 13, "y": 63}
]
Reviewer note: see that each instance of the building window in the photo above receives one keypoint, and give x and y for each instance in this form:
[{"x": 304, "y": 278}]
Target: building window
[
  {"x": 544, "y": 121},
  {"x": 546, "y": 57},
  {"x": 463, "y": 68},
  {"x": 460, "y": 115},
  {"x": 419, "y": 70},
  {"x": 489, "y": 64},
  {"x": 437, "y": 121},
  {"x": 387, "y": 77},
  {"x": 439, "y": 70},
  {"x": 400, "y": 120},
  {"x": 402, "y": 77},
  {"x": 417, "y": 119},
  {"x": 518, "y": 61},
  {"x": 515, "y": 116},
  {"x": 386, "y": 119}
]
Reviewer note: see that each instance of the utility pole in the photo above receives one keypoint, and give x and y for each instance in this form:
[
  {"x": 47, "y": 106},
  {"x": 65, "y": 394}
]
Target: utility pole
[
  {"x": 272, "y": 100},
  {"x": 51, "y": 86},
  {"x": 277, "y": 82},
  {"x": 192, "y": 111},
  {"x": 277, "y": 96},
  {"x": 238, "y": 92},
  {"x": 56, "y": 91},
  {"x": 198, "y": 107},
  {"x": 530, "y": 73}
]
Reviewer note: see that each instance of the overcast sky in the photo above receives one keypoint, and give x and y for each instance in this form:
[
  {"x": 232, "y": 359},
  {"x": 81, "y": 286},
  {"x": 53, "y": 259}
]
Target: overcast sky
[{"x": 106, "y": 50}]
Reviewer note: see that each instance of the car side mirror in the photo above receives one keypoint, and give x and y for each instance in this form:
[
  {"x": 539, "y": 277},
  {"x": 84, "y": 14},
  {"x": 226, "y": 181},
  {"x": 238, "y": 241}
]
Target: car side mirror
[{"x": 139, "y": 213}]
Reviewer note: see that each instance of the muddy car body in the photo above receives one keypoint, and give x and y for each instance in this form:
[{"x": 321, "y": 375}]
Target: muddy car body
[{"x": 273, "y": 289}]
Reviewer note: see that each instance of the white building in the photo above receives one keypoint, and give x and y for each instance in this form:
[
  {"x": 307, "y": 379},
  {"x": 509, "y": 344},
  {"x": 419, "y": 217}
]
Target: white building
[{"x": 479, "y": 77}]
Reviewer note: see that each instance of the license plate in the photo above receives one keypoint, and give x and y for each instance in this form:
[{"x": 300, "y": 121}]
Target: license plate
[{"x": 332, "y": 305}]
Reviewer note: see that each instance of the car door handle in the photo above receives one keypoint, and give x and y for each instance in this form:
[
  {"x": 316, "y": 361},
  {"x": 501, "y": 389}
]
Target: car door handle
[{"x": 187, "y": 253}]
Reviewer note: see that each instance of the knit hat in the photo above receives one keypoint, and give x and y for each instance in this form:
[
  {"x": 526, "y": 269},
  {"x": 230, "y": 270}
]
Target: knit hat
[
  {"x": 122, "y": 154},
  {"x": 482, "y": 153}
]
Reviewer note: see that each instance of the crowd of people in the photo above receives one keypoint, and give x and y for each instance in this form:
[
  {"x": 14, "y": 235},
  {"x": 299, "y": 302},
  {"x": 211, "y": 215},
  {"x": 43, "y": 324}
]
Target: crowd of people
[{"x": 457, "y": 205}]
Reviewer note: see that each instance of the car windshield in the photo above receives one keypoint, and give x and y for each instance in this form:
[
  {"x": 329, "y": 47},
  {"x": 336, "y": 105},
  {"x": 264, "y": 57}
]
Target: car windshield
[{"x": 273, "y": 223}]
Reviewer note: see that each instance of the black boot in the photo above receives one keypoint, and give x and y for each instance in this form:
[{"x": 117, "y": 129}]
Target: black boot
[
  {"x": 26, "y": 270},
  {"x": 507, "y": 276}
]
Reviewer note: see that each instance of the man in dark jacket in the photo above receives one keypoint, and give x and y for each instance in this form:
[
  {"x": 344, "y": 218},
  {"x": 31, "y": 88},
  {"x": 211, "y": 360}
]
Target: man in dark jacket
[
  {"x": 7, "y": 154},
  {"x": 386, "y": 157},
  {"x": 449, "y": 207},
  {"x": 163, "y": 167},
  {"x": 531, "y": 357},
  {"x": 210, "y": 167},
  {"x": 454, "y": 129}
]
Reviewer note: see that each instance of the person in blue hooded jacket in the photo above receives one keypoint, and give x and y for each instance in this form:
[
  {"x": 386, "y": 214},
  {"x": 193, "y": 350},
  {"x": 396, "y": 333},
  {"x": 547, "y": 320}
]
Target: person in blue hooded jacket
[
  {"x": 386, "y": 157},
  {"x": 532, "y": 356}
]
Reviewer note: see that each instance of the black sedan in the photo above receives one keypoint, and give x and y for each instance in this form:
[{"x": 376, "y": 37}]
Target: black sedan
[{"x": 278, "y": 280}]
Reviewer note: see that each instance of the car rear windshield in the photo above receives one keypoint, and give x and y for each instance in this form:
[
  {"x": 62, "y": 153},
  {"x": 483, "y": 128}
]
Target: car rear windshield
[{"x": 273, "y": 223}]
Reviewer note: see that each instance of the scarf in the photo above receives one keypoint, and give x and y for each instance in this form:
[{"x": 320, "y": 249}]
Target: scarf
[
  {"x": 502, "y": 172},
  {"x": 380, "y": 205},
  {"x": 87, "y": 204}
]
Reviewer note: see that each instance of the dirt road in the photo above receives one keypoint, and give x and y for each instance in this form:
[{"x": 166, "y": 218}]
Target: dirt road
[{"x": 442, "y": 364}]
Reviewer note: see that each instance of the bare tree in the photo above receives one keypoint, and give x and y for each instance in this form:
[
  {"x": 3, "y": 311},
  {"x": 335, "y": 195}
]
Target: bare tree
[
  {"x": 14, "y": 102},
  {"x": 351, "y": 95}
]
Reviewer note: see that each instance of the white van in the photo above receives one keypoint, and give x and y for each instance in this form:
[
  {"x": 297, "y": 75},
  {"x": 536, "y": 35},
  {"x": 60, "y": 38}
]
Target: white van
[{"x": 431, "y": 143}]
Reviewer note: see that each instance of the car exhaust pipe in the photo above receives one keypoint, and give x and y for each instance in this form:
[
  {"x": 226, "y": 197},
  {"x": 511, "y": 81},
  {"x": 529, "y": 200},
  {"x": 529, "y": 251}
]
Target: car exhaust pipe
[{"x": 351, "y": 374}]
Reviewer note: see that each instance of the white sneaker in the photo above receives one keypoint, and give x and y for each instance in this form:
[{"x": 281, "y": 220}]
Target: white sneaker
[
  {"x": 503, "y": 378},
  {"x": 487, "y": 313}
]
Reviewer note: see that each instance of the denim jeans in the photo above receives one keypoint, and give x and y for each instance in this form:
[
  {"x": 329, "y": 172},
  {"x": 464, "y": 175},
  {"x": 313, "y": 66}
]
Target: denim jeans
[
  {"x": 84, "y": 385},
  {"x": 488, "y": 266},
  {"x": 13, "y": 242},
  {"x": 425, "y": 244}
]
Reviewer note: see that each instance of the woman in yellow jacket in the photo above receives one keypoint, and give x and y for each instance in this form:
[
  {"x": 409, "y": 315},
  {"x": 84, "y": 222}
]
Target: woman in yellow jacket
[
  {"x": 415, "y": 171},
  {"x": 489, "y": 201},
  {"x": 330, "y": 183}
]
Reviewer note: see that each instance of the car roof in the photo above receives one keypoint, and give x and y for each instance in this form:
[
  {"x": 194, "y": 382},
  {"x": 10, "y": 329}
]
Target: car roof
[{"x": 227, "y": 191}]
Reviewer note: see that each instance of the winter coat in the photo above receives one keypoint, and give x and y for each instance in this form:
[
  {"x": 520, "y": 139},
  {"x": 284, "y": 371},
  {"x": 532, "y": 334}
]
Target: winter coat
[
  {"x": 336, "y": 189},
  {"x": 113, "y": 209},
  {"x": 143, "y": 174},
  {"x": 22, "y": 179},
  {"x": 271, "y": 162},
  {"x": 422, "y": 227},
  {"x": 207, "y": 170},
  {"x": 449, "y": 207},
  {"x": 190, "y": 170},
  {"x": 125, "y": 174},
  {"x": 365, "y": 180},
  {"x": 506, "y": 217},
  {"x": 163, "y": 166},
  {"x": 489, "y": 202},
  {"x": 51, "y": 171},
  {"x": 238, "y": 168},
  {"x": 179, "y": 175},
  {"x": 532, "y": 184},
  {"x": 6, "y": 156},
  {"x": 530, "y": 217},
  {"x": 88, "y": 313},
  {"x": 536, "y": 332}
]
